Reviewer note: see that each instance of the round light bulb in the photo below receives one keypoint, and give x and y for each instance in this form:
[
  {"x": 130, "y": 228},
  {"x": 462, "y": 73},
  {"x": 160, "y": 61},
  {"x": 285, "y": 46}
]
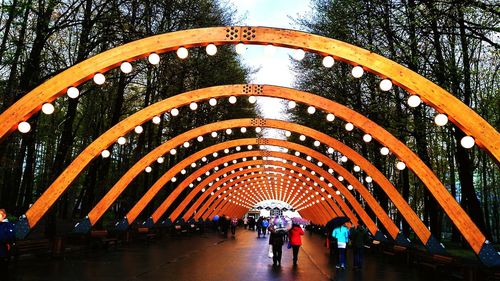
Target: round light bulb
[
  {"x": 214, "y": 134},
  {"x": 384, "y": 151},
  {"x": 385, "y": 85},
  {"x": 183, "y": 171},
  {"x": 243, "y": 129},
  {"x": 148, "y": 169},
  {"x": 311, "y": 110},
  {"x": 47, "y": 108},
  {"x": 317, "y": 143},
  {"x": 252, "y": 99},
  {"x": 105, "y": 153},
  {"x": 186, "y": 144},
  {"x": 441, "y": 119},
  {"x": 357, "y": 169},
  {"x": 240, "y": 48},
  {"x": 299, "y": 54},
  {"x": 212, "y": 102},
  {"x": 199, "y": 138},
  {"x": 182, "y": 53},
  {"x": 330, "y": 117},
  {"x": 99, "y": 78},
  {"x": 343, "y": 159},
  {"x": 211, "y": 49},
  {"x": 193, "y": 106},
  {"x": 350, "y": 187},
  {"x": 73, "y": 92},
  {"x": 258, "y": 129},
  {"x": 367, "y": 138},
  {"x": 174, "y": 179},
  {"x": 138, "y": 129},
  {"x": 126, "y": 67},
  {"x": 368, "y": 179},
  {"x": 160, "y": 160},
  {"x": 357, "y": 71},
  {"x": 292, "y": 104},
  {"x": 232, "y": 99},
  {"x": 122, "y": 140},
  {"x": 400, "y": 165},
  {"x": 337, "y": 192},
  {"x": 288, "y": 133},
  {"x": 302, "y": 138},
  {"x": 414, "y": 101},
  {"x": 349, "y": 127},
  {"x": 328, "y": 61},
  {"x": 173, "y": 151},
  {"x": 154, "y": 58},
  {"x": 24, "y": 127},
  {"x": 156, "y": 120},
  {"x": 174, "y": 112},
  {"x": 467, "y": 142},
  {"x": 226, "y": 150},
  {"x": 330, "y": 150}
]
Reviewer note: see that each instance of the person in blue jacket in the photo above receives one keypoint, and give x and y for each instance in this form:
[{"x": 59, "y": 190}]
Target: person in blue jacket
[
  {"x": 342, "y": 235},
  {"x": 7, "y": 239}
]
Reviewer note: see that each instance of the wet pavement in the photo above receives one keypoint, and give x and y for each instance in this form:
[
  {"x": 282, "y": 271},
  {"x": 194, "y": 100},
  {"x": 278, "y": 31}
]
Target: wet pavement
[{"x": 208, "y": 257}]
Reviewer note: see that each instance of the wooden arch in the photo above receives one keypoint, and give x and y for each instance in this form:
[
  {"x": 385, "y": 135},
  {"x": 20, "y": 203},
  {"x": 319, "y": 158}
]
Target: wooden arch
[{"x": 460, "y": 114}]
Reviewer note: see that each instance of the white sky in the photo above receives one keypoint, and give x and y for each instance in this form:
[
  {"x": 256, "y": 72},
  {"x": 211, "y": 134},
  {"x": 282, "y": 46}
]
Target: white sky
[{"x": 273, "y": 69}]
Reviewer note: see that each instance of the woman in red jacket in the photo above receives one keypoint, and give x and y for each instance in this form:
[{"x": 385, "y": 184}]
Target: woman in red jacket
[{"x": 295, "y": 240}]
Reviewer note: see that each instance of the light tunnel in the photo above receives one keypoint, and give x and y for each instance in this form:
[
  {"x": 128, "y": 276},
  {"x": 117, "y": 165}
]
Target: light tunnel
[{"x": 463, "y": 117}]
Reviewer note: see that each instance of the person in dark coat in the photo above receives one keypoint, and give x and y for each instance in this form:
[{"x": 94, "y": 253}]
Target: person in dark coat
[
  {"x": 259, "y": 226},
  {"x": 276, "y": 239},
  {"x": 359, "y": 236},
  {"x": 223, "y": 225},
  {"x": 7, "y": 239}
]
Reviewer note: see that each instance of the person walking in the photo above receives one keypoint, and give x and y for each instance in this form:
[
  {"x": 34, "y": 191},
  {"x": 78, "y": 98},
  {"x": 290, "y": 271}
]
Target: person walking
[
  {"x": 7, "y": 239},
  {"x": 359, "y": 236},
  {"x": 265, "y": 225},
  {"x": 342, "y": 235},
  {"x": 234, "y": 224},
  {"x": 259, "y": 227},
  {"x": 245, "y": 222},
  {"x": 295, "y": 241},
  {"x": 276, "y": 239}
]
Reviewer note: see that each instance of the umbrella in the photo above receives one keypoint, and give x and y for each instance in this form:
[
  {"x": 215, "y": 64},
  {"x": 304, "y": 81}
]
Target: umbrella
[{"x": 335, "y": 222}]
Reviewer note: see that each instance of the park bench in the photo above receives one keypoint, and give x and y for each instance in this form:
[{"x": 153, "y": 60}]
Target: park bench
[
  {"x": 30, "y": 247},
  {"x": 145, "y": 233},
  {"x": 397, "y": 251},
  {"x": 101, "y": 236}
]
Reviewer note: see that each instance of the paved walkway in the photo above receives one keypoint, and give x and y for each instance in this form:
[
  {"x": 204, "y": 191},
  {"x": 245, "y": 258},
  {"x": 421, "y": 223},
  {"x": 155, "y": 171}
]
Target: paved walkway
[{"x": 208, "y": 257}]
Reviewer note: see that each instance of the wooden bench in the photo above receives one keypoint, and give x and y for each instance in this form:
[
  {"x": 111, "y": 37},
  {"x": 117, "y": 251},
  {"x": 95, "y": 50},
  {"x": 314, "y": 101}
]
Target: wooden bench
[
  {"x": 102, "y": 237},
  {"x": 437, "y": 261},
  {"x": 395, "y": 250},
  {"x": 144, "y": 231},
  {"x": 30, "y": 247}
]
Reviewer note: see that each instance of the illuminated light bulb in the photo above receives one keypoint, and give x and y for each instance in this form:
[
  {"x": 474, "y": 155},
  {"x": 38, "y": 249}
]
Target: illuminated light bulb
[
  {"x": 467, "y": 142},
  {"x": 385, "y": 85},
  {"x": 299, "y": 54},
  {"x": 154, "y": 58},
  {"x": 156, "y": 120},
  {"x": 126, "y": 67},
  {"x": 105, "y": 153},
  {"x": 99, "y": 78},
  {"x": 441, "y": 119},
  {"x": 186, "y": 144},
  {"x": 252, "y": 99},
  {"x": 269, "y": 50},
  {"x": 232, "y": 99},
  {"x": 288, "y": 133},
  {"x": 122, "y": 141},
  {"x": 349, "y": 127},
  {"x": 337, "y": 192},
  {"x": 194, "y": 165},
  {"x": 182, "y": 53},
  {"x": 328, "y": 61},
  {"x": 48, "y": 108},
  {"x": 148, "y": 169},
  {"x": 330, "y": 150},
  {"x": 229, "y": 131},
  {"x": 243, "y": 129},
  {"x": 215, "y": 154},
  {"x": 199, "y": 138},
  {"x": 384, "y": 151},
  {"x": 400, "y": 165},
  {"x": 212, "y": 102},
  {"x": 174, "y": 112},
  {"x": 226, "y": 150},
  {"x": 258, "y": 129},
  {"x": 341, "y": 178},
  {"x": 174, "y": 179},
  {"x": 311, "y": 110},
  {"x": 317, "y": 143},
  {"x": 160, "y": 160},
  {"x": 240, "y": 48},
  {"x": 368, "y": 179},
  {"x": 292, "y": 104},
  {"x": 297, "y": 153},
  {"x": 414, "y": 101},
  {"x": 302, "y": 138},
  {"x": 211, "y": 49},
  {"x": 138, "y": 129},
  {"x": 350, "y": 187},
  {"x": 238, "y": 148},
  {"x": 343, "y": 159},
  {"x": 193, "y": 106},
  {"x": 357, "y": 71},
  {"x": 204, "y": 159},
  {"x": 367, "y": 138},
  {"x": 330, "y": 117},
  {"x": 73, "y": 92},
  {"x": 214, "y": 134},
  {"x": 173, "y": 151},
  {"x": 249, "y": 147},
  {"x": 357, "y": 169}
]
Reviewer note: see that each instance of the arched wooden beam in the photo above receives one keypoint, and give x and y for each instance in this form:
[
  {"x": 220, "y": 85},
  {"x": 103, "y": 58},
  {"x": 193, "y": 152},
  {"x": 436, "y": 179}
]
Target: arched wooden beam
[
  {"x": 463, "y": 222},
  {"x": 460, "y": 114}
]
